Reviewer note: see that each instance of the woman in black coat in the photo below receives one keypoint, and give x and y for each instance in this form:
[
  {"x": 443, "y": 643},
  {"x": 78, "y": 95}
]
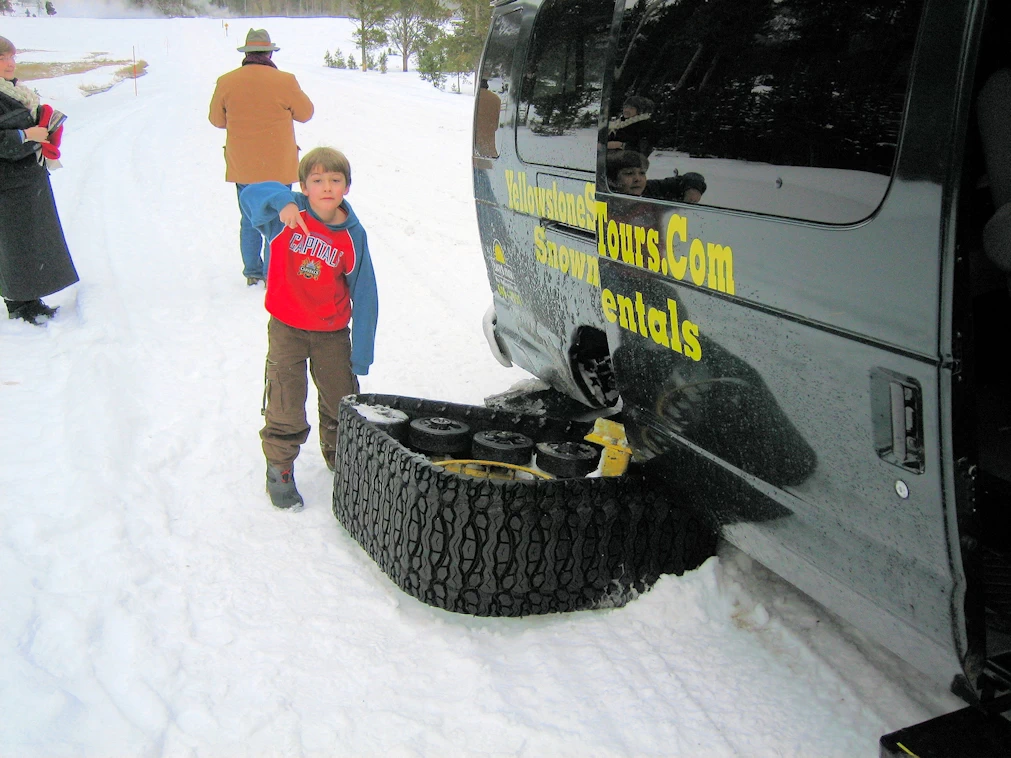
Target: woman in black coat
[
  {"x": 633, "y": 130},
  {"x": 34, "y": 260}
]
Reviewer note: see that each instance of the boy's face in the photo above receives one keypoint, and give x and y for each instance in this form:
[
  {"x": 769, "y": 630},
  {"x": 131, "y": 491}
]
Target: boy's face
[
  {"x": 326, "y": 191},
  {"x": 631, "y": 181}
]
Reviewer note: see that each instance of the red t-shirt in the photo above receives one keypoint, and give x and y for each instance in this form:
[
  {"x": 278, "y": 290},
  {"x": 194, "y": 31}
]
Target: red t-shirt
[{"x": 306, "y": 284}]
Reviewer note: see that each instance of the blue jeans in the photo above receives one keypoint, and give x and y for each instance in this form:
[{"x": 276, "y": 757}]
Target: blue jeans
[{"x": 250, "y": 244}]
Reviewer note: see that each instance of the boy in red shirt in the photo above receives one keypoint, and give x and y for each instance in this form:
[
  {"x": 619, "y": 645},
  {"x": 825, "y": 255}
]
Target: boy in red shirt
[{"x": 320, "y": 280}]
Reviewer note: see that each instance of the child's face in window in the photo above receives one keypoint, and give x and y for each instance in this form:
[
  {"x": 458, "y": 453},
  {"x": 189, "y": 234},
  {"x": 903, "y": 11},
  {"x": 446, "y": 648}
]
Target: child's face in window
[
  {"x": 631, "y": 181},
  {"x": 326, "y": 191}
]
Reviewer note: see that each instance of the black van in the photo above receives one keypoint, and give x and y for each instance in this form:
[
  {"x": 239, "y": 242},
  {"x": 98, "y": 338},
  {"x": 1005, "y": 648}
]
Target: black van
[{"x": 776, "y": 234}]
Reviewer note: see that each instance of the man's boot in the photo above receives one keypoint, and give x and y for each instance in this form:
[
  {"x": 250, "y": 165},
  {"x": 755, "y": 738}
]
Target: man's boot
[{"x": 281, "y": 488}]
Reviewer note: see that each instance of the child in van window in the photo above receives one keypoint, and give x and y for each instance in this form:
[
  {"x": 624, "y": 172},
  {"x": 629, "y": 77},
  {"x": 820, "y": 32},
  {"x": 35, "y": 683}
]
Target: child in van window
[
  {"x": 320, "y": 280},
  {"x": 626, "y": 173}
]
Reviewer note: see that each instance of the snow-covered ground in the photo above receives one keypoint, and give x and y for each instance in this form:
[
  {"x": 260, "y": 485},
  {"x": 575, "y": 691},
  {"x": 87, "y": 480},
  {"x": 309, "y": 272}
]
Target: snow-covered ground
[{"x": 153, "y": 603}]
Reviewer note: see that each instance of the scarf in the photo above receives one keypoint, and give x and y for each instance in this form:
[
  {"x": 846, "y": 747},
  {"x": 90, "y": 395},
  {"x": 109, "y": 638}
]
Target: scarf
[
  {"x": 621, "y": 122},
  {"x": 22, "y": 94},
  {"x": 259, "y": 59}
]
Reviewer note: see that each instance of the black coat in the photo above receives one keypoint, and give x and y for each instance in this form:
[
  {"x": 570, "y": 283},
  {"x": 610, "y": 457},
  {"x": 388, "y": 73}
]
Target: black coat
[
  {"x": 636, "y": 133},
  {"x": 34, "y": 260}
]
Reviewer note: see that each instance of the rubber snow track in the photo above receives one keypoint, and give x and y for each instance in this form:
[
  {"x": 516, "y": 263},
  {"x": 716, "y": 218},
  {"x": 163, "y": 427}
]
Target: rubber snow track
[{"x": 492, "y": 547}]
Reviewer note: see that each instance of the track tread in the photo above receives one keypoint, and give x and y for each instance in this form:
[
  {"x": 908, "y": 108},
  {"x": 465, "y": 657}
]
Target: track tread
[{"x": 503, "y": 548}]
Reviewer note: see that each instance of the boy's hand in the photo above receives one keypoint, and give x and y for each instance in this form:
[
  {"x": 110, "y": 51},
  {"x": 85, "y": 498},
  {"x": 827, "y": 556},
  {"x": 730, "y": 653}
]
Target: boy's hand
[{"x": 291, "y": 217}]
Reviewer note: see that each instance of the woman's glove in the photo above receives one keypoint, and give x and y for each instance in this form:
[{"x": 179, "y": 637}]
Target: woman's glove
[
  {"x": 50, "y": 149},
  {"x": 45, "y": 113}
]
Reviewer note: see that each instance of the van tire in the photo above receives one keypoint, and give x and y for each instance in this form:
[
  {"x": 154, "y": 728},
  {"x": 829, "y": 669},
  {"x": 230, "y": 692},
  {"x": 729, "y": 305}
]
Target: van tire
[{"x": 492, "y": 547}]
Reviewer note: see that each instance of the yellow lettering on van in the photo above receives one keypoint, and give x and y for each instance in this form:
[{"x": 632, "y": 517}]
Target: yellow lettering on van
[
  {"x": 697, "y": 260},
  {"x": 601, "y": 227},
  {"x": 509, "y": 174},
  {"x": 540, "y": 251},
  {"x": 625, "y": 235},
  {"x": 609, "y": 305},
  {"x": 626, "y": 313},
  {"x": 676, "y": 227},
  {"x": 589, "y": 193},
  {"x": 635, "y": 315},
  {"x": 640, "y": 240},
  {"x": 613, "y": 249},
  {"x": 563, "y": 259},
  {"x": 675, "y": 339},
  {"x": 658, "y": 327},
  {"x": 653, "y": 249},
  {"x": 721, "y": 268},
  {"x": 577, "y": 263},
  {"x": 690, "y": 333}
]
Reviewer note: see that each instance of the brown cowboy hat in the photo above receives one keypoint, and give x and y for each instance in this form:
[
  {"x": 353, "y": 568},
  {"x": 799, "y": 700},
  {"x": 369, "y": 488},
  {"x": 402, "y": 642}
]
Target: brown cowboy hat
[{"x": 258, "y": 41}]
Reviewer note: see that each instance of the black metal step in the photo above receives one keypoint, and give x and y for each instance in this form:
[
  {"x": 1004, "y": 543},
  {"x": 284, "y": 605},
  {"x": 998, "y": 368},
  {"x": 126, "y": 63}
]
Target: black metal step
[{"x": 968, "y": 733}]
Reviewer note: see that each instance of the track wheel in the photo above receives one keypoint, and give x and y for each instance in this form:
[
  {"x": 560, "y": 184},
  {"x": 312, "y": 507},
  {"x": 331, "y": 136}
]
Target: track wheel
[
  {"x": 567, "y": 460},
  {"x": 502, "y": 447},
  {"x": 439, "y": 435}
]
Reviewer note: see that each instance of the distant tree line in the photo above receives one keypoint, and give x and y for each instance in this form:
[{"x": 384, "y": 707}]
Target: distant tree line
[{"x": 445, "y": 36}]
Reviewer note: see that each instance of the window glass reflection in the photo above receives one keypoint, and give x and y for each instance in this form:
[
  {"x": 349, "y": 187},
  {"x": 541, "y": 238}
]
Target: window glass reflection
[
  {"x": 560, "y": 98},
  {"x": 783, "y": 107}
]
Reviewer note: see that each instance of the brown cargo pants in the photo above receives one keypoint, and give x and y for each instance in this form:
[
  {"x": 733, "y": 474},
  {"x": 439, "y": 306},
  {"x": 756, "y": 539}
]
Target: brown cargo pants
[{"x": 329, "y": 356}]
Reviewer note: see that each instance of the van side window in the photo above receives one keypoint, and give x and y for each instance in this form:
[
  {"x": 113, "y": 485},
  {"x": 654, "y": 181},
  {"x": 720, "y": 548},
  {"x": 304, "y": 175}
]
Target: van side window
[
  {"x": 560, "y": 90},
  {"x": 783, "y": 107},
  {"x": 496, "y": 69}
]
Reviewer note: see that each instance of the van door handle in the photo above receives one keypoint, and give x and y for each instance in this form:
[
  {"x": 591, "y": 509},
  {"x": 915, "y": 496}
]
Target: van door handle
[{"x": 897, "y": 419}]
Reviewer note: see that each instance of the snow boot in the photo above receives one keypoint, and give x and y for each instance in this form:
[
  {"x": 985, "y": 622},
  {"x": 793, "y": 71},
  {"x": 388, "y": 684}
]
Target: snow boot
[
  {"x": 41, "y": 309},
  {"x": 281, "y": 488},
  {"x": 25, "y": 310},
  {"x": 253, "y": 281}
]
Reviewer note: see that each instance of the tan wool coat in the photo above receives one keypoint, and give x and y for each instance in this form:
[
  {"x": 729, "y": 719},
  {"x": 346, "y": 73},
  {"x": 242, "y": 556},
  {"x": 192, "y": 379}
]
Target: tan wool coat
[{"x": 258, "y": 105}]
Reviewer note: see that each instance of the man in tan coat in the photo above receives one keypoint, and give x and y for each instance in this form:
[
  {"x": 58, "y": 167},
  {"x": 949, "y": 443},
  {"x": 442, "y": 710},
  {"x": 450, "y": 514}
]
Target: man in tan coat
[{"x": 258, "y": 105}]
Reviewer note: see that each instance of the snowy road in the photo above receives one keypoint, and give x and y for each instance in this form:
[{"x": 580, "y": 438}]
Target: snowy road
[{"x": 154, "y": 603}]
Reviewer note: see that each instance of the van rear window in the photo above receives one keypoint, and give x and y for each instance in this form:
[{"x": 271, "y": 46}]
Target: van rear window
[
  {"x": 560, "y": 87},
  {"x": 782, "y": 107},
  {"x": 496, "y": 68}
]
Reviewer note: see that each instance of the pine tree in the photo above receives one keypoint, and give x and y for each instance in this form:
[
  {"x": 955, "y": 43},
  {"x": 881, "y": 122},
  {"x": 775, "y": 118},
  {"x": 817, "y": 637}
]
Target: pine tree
[
  {"x": 414, "y": 24},
  {"x": 432, "y": 64},
  {"x": 370, "y": 17},
  {"x": 470, "y": 29}
]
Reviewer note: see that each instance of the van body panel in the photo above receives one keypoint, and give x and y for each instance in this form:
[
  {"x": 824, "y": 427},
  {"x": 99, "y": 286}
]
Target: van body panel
[
  {"x": 799, "y": 382},
  {"x": 777, "y": 446}
]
